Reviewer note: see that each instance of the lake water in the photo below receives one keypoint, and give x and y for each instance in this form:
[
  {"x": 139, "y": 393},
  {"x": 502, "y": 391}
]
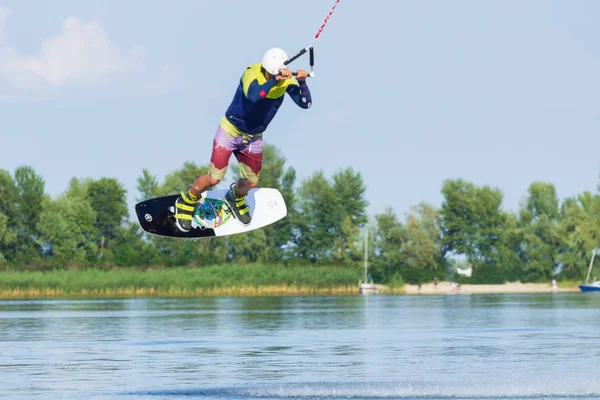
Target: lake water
[{"x": 339, "y": 347}]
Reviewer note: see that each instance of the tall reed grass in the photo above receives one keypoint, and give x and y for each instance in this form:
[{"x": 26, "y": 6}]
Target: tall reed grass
[{"x": 222, "y": 280}]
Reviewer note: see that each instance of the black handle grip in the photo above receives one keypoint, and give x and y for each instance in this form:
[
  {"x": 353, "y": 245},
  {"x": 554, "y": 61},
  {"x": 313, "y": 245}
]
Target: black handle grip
[
  {"x": 312, "y": 57},
  {"x": 310, "y": 74},
  {"x": 296, "y": 56}
]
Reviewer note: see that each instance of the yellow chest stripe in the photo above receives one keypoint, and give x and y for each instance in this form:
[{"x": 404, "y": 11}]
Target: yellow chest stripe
[{"x": 254, "y": 73}]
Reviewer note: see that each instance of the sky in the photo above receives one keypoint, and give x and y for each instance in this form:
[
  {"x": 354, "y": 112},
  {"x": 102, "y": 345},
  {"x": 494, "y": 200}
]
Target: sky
[{"x": 408, "y": 93}]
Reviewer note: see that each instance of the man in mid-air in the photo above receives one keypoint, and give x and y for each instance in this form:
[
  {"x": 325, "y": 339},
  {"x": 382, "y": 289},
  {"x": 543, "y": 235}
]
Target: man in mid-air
[{"x": 257, "y": 99}]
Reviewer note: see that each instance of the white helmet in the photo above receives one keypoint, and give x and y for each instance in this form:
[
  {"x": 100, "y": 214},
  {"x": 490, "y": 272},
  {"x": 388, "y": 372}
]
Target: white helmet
[{"x": 273, "y": 60}]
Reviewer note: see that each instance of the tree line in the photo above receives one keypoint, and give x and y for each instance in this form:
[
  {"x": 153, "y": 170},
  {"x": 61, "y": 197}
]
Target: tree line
[{"x": 89, "y": 225}]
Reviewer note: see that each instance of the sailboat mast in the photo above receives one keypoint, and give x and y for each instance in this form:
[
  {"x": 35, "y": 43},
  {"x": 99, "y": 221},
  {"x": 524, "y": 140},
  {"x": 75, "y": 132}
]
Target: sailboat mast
[
  {"x": 366, "y": 251},
  {"x": 590, "y": 267}
]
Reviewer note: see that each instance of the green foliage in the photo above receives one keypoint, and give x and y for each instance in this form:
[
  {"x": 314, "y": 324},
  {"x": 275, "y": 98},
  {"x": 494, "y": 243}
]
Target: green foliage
[
  {"x": 344, "y": 249},
  {"x": 251, "y": 247},
  {"x": 89, "y": 226},
  {"x": 329, "y": 213},
  {"x": 579, "y": 231},
  {"x": 133, "y": 250},
  {"x": 539, "y": 224},
  {"x": 316, "y": 224},
  {"x": 396, "y": 281},
  {"x": 487, "y": 274},
  {"x": 107, "y": 198},
  {"x": 509, "y": 250},
  {"x": 7, "y": 237},
  {"x": 410, "y": 250},
  {"x": 351, "y": 215},
  {"x": 387, "y": 245},
  {"x": 213, "y": 251},
  {"x": 31, "y": 196},
  {"x": 421, "y": 238},
  {"x": 147, "y": 185},
  {"x": 471, "y": 220},
  {"x": 21, "y": 201},
  {"x": 67, "y": 227},
  {"x": 10, "y": 222},
  {"x": 542, "y": 202}
]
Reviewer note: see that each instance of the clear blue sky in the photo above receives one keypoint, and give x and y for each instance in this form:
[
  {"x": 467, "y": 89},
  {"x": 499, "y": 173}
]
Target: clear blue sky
[{"x": 409, "y": 93}]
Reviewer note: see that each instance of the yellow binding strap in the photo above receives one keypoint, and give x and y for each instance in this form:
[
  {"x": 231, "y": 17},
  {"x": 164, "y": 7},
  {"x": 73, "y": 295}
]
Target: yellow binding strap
[{"x": 185, "y": 207}]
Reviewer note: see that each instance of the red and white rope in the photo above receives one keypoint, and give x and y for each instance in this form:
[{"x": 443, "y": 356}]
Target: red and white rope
[{"x": 326, "y": 19}]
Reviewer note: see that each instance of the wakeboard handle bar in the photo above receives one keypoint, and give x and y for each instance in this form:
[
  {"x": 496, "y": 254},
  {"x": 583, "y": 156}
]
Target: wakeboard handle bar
[{"x": 304, "y": 50}]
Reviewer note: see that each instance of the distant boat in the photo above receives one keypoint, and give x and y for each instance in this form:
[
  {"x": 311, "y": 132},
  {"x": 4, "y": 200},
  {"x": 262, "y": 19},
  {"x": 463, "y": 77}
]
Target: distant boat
[
  {"x": 594, "y": 286},
  {"x": 590, "y": 287},
  {"x": 367, "y": 287}
]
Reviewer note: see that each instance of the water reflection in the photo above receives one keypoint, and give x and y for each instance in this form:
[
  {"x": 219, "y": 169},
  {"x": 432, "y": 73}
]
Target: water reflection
[{"x": 466, "y": 346}]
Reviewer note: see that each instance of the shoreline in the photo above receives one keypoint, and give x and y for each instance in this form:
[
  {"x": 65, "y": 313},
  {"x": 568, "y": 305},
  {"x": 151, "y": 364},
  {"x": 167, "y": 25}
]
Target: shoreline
[
  {"x": 505, "y": 288},
  {"x": 234, "y": 280},
  {"x": 280, "y": 290}
]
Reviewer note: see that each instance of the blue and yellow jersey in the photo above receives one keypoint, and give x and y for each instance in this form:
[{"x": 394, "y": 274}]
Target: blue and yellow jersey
[{"x": 257, "y": 100}]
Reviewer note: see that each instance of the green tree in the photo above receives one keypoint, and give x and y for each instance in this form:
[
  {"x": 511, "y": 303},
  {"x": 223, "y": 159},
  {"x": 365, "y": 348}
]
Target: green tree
[
  {"x": 214, "y": 251},
  {"x": 249, "y": 247},
  {"x": 348, "y": 186},
  {"x": 133, "y": 250},
  {"x": 509, "y": 249},
  {"x": 579, "y": 231},
  {"x": 420, "y": 244},
  {"x": 147, "y": 185},
  {"x": 387, "y": 244},
  {"x": 31, "y": 195},
  {"x": 411, "y": 249},
  {"x": 459, "y": 217},
  {"x": 107, "y": 198},
  {"x": 78, "y": 188},
  {"x": 276, "y": 175},
  {"x": 331, "y": 214},
  {"x": 283, "y": 230},
  {"x": 67, "y": 227},
  {"x": 345, "y": 248},
  {"x": 7, "y": 237},
  {"x": 9, "y": 198},
  {"x": 471, "y": 220},
  {"x": 472, "y": 224},
  {"x": 314, "y": 229},
  {"x": 539, "y": 223}
]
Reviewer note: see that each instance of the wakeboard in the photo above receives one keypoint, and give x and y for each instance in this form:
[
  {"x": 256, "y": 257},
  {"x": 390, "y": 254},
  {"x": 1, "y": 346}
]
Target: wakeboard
[{"x": 212, "y": 216}]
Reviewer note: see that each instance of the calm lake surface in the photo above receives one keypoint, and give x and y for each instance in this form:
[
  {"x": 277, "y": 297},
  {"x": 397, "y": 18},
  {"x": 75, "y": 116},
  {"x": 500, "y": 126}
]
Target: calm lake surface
[{"x": 339, "y": 347}]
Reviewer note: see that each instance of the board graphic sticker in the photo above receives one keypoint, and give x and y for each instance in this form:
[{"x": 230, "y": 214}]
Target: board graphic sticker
[
  {"x": 212, "y": 216},
  {"x": 210, "y": 213}
]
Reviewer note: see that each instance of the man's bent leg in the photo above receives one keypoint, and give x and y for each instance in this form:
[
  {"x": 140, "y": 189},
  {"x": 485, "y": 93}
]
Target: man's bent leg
[
  {"x": 203, "y": 183},
  {"x": 223, "y": 146},
  {"x": 243, "y": 186},
  {"x": 250, "y": 159}
]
